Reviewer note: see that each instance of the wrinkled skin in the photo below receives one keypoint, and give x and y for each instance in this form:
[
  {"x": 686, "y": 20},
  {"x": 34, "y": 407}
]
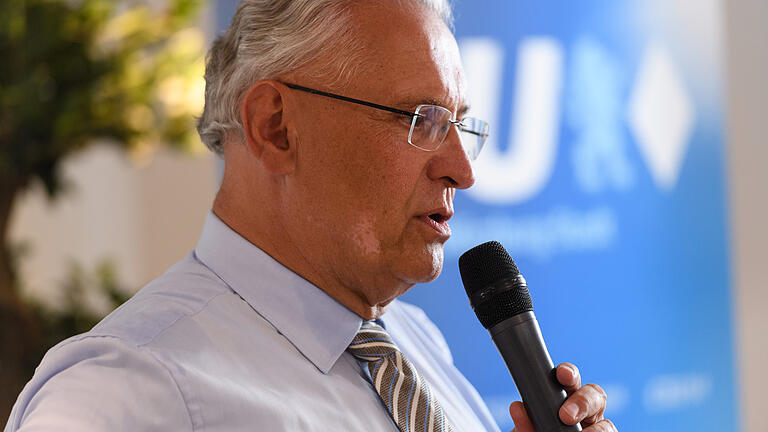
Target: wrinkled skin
[{"x": 333, "y": 190}]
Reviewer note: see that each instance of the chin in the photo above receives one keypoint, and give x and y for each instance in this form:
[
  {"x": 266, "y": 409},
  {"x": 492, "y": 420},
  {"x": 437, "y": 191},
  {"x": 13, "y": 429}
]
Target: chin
[{"x": 430, "y": 264}]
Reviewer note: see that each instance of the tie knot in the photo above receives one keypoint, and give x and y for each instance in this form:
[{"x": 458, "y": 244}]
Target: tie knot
[{"x": 372, "y": 342}]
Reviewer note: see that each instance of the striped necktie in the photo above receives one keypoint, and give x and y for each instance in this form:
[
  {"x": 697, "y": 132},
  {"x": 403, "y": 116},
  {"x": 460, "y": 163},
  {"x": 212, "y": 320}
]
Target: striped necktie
[{"x": 404, "y": 392}]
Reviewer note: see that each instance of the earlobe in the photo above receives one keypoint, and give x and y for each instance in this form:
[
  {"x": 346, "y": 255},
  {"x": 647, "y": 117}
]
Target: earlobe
[{"x": 266, "y": 134}]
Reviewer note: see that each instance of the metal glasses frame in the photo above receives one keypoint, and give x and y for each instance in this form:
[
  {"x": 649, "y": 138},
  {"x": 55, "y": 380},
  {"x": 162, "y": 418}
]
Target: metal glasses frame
[{"x": 462, "y": 127}]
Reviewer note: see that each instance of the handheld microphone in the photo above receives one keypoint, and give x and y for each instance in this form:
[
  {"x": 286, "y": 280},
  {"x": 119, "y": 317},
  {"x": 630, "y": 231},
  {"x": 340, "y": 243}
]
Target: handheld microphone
[{"x": 499, "y": 296}]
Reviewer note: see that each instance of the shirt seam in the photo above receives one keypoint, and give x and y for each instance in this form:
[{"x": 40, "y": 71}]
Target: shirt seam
[
  {"x": 148, "y": 353},
  {"x": 167, "y": 370},
  {"x": 181, "y": 316},
  {"x": 146, "y": 347}
]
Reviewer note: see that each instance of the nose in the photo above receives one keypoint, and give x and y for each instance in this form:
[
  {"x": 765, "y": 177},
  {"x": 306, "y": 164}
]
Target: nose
[{"x": 451, "y": 164}]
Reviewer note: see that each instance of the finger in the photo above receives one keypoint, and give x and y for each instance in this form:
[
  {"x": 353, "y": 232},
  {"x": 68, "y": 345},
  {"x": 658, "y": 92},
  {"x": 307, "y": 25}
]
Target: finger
[
  {"x": 586, "y": 405},
  {"x": 568, "y": 375},
  {"x": 520, "y": 417},
  {"x": 603, "y": 425}
]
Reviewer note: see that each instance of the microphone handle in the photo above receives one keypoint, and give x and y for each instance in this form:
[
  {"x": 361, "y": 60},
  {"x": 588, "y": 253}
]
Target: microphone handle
[{"x": 520, "y": 343}]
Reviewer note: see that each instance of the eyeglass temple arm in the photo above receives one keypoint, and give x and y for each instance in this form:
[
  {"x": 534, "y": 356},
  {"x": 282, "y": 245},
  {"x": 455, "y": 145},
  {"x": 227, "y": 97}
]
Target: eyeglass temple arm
[
  {"x": 352, "y": 100},
  {"x": 464, "y": 128}
]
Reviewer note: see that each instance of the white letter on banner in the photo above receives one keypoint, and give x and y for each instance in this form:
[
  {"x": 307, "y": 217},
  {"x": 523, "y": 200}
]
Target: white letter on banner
[{"x": 520, "y": 172}]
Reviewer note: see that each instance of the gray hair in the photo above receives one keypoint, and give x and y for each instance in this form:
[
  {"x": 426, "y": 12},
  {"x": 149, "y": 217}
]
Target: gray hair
[{"x": 269, "y": 38}]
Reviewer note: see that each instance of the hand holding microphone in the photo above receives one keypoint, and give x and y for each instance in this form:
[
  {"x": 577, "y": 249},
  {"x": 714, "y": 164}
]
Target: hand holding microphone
[{"x": 554, "y": 400}]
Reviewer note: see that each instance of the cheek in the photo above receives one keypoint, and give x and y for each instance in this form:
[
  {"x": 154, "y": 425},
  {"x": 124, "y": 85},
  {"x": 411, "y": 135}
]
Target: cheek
[
  {"x": 380, "y": 174},
  {"x": 397, "y": 167},
  {"x": 363, "y": 236},
  {"x": 365, "y": 176}
]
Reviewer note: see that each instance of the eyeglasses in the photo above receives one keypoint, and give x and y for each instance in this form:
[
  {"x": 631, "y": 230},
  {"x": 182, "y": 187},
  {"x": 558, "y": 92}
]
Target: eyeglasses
[{"x": 429, "y": 125}]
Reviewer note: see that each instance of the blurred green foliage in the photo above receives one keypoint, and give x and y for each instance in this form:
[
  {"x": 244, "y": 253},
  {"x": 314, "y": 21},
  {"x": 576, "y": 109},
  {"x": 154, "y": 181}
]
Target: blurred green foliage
[
  {"x": 73, "y": 72},
  {"x": 86, "y": 296}
]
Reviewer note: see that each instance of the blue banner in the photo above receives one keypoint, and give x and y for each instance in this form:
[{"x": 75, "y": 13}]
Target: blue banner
[{"x": 604, "y": 178}]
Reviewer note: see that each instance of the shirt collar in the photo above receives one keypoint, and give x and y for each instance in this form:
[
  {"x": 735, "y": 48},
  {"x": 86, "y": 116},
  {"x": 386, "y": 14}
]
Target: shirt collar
[{"x": 316, "y": 324}]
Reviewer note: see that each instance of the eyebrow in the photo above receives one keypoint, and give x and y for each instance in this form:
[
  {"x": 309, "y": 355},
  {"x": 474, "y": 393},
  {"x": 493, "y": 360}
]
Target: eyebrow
[
  {"x": 463, "y": 110},
  {"x": 411, "y": 103}
]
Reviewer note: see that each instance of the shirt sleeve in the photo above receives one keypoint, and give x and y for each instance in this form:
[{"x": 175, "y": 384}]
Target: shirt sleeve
[{"x": 100, "y": 383}]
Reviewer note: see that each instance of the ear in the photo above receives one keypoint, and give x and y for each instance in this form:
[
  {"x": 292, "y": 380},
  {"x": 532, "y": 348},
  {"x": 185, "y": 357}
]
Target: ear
[{"x": 265, "y": 129}]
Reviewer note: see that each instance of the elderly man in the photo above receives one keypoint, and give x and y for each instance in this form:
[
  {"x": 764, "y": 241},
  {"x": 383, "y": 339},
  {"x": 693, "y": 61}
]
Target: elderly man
[{"x": 337, "y": 121}]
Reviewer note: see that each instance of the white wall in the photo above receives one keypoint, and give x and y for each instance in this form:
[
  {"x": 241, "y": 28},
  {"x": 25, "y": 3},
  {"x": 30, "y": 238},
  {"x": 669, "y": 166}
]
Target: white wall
[{"x": 143, "y": 217}]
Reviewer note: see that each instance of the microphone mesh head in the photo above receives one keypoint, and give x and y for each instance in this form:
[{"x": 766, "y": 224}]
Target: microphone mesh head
[
  {"x": 488, "y": 267},
  {"x": 485, "y": 264}
]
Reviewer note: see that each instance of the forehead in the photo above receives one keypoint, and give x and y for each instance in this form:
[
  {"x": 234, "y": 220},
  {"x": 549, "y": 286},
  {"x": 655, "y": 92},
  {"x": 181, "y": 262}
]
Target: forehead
[{"x": 410, "y": 55}]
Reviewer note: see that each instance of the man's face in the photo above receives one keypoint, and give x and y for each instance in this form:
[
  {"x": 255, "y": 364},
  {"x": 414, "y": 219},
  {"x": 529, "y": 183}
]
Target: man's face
[{"x": 366, "y": 208}]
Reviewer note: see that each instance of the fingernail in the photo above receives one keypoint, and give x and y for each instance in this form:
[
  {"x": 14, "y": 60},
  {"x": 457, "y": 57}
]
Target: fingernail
[
  {"x": 571, "y": 409},
  {"x": 571, "y": 370}
]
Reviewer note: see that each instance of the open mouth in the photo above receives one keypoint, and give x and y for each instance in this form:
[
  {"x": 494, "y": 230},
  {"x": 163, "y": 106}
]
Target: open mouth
[
  {"x": 437, "y": 217},
  {"x": 439, "y": 223}
]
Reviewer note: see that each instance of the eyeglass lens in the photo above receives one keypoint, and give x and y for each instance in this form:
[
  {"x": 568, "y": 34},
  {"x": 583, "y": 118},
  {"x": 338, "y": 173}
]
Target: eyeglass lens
[{"x": 430, "y": 127}]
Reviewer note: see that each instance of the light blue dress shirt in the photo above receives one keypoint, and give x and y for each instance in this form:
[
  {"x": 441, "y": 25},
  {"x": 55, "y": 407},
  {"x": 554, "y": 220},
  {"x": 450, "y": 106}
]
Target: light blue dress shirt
[{"x": 230, "y": 340}]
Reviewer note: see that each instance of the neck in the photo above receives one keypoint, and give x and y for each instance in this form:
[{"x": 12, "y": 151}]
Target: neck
[{"x": 264, "y": 230}]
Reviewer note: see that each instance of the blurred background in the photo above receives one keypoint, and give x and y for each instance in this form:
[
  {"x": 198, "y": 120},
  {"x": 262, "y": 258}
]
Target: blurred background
[{"x": 625, "y": 174}]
